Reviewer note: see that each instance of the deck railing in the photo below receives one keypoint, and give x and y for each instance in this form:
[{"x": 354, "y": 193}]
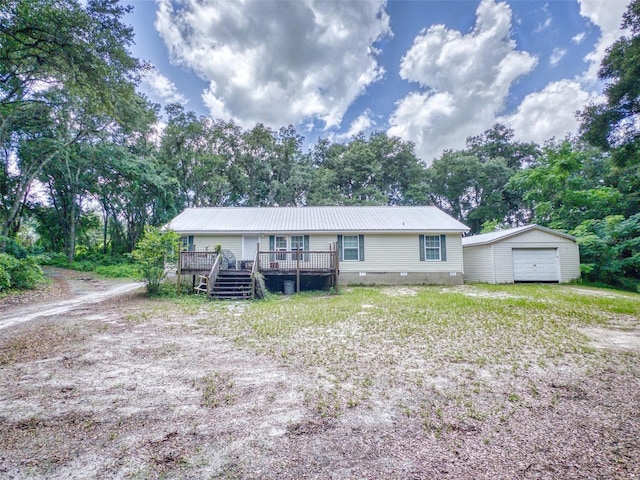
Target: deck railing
[
  {"x": 257, "y": 283},
  {"x": 297, "y": 260},
  {"x": 197, "y": 260},
  {"x": 213, "y": 275}
]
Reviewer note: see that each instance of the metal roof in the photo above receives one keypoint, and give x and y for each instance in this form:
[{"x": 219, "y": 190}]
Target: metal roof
[
  {"x": 314, "y": 219},
  {"x": 492, "y": 237}
]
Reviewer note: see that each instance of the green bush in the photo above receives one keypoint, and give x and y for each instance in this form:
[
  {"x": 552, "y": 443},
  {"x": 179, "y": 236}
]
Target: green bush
[
  {"x": 114, "y": 266},
  {"x": 16, "y": 273},
  {"x": 54, "y": 259},
  {"x": 13, "y": 248},
  {"x": 125, "y": 270},
  {"x": 5, "y": 279},
  {"x": 153, "y": 252},
  {"x": 610, "y": 251},
  {"x": 28, "y": 274}
]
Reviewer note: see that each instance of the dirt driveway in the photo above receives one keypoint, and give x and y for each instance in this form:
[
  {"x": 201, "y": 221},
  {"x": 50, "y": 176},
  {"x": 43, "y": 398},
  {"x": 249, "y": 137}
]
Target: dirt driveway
[
  {"x": 69, "y": 291},
  {"x": 131, "y": 388}
]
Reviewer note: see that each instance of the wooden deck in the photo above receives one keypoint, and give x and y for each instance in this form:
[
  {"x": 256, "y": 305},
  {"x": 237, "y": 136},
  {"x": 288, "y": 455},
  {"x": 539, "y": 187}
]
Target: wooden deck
[
  {"x": 286, "y": 263},
  {"x": 297, "y": 263}
]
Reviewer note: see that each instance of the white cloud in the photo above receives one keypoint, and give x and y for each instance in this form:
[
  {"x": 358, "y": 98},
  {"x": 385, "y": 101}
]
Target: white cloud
[
  {"x": 579, "y": 38},
  {"x": 361, "y": 124},
  {"x": 277, "y": 62},
  {"x": 608, "y": 16},
  {"x": 548, "y": 113},
  {"x": 552, "y": 111},
  {"x": 465, "y": 81},
  {"x": 161, "y": 88},
  {"x": 547, "y": 22},
  {"x": 557, "y": 55}
]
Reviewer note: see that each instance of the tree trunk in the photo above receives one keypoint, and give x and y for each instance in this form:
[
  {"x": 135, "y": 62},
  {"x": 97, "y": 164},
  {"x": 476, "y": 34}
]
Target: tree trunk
[
  {"x": 71, "y": 234},
  {"x": 11, "y": 224},
  {"x": 104, "y": 232}
]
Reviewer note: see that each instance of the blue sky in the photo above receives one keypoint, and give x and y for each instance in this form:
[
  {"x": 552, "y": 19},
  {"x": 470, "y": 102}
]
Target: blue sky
[{"x": 430, "y": 72}]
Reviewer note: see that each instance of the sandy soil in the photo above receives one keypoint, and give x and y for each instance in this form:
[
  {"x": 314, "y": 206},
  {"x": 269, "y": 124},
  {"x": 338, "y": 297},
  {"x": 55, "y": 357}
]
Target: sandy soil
[
  {"x": 67, "y": 292},
  {"x": 121, "y": 388}
]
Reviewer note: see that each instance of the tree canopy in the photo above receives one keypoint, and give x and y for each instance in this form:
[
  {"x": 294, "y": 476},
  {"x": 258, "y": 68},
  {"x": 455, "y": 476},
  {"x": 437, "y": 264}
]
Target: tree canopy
[
  {"x": 615, "y": 124},
  {"x": 86, "y": 165}
]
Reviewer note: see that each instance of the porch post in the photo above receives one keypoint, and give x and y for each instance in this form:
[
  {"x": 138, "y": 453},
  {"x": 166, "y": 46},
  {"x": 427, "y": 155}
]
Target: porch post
[
  {"x": 179, "y": 270},
  {"x": 298, "y": 271}
]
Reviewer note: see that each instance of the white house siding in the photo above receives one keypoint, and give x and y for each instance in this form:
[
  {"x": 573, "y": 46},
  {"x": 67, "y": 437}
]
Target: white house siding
[
  {"x": 478, "y": 264},
  {"x": 208, "y": 243},
  {"x": 395, "y": 259},
  {"x": 321, "y": 242},
  {"x": 569, "y": 262},
  {"x": 401, "y": 253},
  {"x": 389, "y": 258},
  {"x": 502, "y": 262}
]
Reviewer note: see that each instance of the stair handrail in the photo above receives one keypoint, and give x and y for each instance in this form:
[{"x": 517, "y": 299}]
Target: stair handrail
[
  {"x": 213, "y": 275},
  {"x": 256, "y": 288}
]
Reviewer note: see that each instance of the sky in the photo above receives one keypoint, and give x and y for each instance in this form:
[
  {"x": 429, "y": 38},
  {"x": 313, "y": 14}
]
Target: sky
[{"x": 430, "y": 72}]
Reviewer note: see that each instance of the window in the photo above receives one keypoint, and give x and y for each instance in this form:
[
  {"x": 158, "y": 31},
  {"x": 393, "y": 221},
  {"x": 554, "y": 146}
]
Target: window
[
  {"x": 187, "y": 243},
  {"x": 281, "y": 246},
  {"x": 350, "y": 247},
  {"x": 432, "y": 247},
  {"x": 297, "y": 242}
]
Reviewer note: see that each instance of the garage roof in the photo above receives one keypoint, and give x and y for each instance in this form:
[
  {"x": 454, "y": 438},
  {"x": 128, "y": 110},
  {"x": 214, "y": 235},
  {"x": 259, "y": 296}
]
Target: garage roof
[
  {"x": 315, "y": 219},
  {"x": 492, "y": 237}
]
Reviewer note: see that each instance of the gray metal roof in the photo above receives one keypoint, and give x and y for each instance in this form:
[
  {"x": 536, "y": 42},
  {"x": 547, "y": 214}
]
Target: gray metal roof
[
  {"x": 314, "y": 219},
  {"x": 492, "y": 237}
]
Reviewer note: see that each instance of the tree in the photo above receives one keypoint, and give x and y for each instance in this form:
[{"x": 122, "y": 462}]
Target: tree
[
  {"x": 469, "y": 189},
  {"x": 498, "y": 142},
  {"x": 610, "y": 250},
  {"x": 155, "y": 252},
  {"x": 199, "y": 151},
  {"x": 133, "y": 190},
  {"x": 566, "y": 186},
  {"x": 615, "y": 124},
  {"x": 379, "y": 170},
  {"x": 53, "y": 53},
  {"x": 68, "y": 181}
]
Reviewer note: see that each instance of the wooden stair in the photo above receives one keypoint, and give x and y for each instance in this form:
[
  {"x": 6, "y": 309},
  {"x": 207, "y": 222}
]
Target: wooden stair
[{"x": 232, "y": 285}]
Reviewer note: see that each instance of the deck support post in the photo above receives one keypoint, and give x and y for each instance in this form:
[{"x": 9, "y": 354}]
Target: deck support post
[
  {"x": 179, "y": 272},
  {"x": 297, "y": 271}
]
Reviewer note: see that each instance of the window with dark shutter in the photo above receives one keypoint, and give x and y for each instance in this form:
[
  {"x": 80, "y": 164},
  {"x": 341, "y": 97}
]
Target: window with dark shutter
[{"x": 433, "y": 248}]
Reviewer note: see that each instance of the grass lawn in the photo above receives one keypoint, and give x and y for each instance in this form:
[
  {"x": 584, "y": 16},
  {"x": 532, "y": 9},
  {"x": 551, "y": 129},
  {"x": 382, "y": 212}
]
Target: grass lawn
[
  {"x": 459, "y": 341},
  {"x": 474, "y": 381}
]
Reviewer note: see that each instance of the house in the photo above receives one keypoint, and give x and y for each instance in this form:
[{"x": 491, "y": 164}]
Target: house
[
  {"x": 525, "y": 254},
  {"x": 343, "y": 244}
]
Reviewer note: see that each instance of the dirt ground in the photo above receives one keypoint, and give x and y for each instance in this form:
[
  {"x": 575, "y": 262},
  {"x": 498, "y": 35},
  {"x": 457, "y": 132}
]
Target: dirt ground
[{"x": 120, "y": 388}]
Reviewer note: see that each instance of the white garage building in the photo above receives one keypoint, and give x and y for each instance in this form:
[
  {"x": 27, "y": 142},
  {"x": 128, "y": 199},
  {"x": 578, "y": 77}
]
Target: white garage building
[{"x": 524, "y": 254}]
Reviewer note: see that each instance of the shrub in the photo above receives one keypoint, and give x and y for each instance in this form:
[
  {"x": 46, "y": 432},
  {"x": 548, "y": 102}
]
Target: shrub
[
  {"x": 13, "y": 248},
  {"x": 610, "y": 251},
  {"x": 125, "y": 270},
  {"x": 114, "y": 266},
  {"x": 152, "y": 252},
  {"x": 18, "y": 273},
  {"x": 28, "y": 274}
]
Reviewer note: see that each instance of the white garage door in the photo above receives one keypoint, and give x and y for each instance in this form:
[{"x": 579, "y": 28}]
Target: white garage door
[{"x": 535, "y": 265}]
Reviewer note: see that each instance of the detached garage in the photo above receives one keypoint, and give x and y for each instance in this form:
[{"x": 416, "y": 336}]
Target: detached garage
[{"x": 524, "y": 254}]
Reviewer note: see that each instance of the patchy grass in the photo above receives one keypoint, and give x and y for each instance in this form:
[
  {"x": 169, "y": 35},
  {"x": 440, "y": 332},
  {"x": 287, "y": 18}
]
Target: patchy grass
[
  {"x": 463, "y": 342},
  {"x": 464, "y": 382},
  {"x": 217, "y": 389}
]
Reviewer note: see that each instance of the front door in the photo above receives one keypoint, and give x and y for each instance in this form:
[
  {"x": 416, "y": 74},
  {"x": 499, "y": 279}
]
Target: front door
[{"x": 249, "y": 246}]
